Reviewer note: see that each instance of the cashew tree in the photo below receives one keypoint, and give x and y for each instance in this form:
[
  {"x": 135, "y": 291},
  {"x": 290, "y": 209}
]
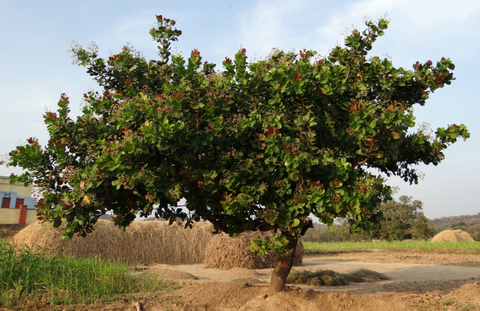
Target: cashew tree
[{"x": 256, "y": 145}]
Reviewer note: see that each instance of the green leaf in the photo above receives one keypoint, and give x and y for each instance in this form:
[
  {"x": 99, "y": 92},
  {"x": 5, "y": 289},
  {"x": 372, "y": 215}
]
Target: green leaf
[{"x": 296, "y": 222}]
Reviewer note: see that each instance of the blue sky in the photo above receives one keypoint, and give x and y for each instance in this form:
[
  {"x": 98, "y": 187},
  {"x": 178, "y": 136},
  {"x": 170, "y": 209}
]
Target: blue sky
[{"x": 35, "y": 65}]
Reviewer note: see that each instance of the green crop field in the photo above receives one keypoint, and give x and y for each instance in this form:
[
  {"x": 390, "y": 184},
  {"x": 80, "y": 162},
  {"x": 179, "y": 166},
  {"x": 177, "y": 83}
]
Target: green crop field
[
  {"x": 38, "y": 279},
  {"x": 348, "y": 246}
]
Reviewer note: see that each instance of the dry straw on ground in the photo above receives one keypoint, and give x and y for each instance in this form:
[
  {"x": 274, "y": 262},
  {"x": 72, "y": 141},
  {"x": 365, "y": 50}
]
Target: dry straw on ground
[
  {"x": 452, "y": 236},
  {"x": 225, "y": 252},
  {"x": 143, "y": 242},
  {"x": 332, "y": 278}
]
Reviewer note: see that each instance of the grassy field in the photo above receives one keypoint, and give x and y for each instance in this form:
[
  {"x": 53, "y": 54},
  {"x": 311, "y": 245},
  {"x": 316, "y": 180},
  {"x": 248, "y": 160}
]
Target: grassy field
[
  {"x": 350, "y": 246},
  {"x": 37, "y": 279}
]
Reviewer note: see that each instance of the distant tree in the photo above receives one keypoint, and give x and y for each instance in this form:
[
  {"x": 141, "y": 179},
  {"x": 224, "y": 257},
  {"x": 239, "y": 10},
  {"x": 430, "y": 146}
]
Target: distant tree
[
  {"x": 452, "y": 221},
  {"x": 437, "y": 229},
  {"x": 258, "y": 145},
  {"x": 460, "y": 224},
  {"x": 403, "y": 219},
  {"x": 345, "y": 233},
  {"x": 312, "y": 235},
  {"x": 330, "y": 236}
]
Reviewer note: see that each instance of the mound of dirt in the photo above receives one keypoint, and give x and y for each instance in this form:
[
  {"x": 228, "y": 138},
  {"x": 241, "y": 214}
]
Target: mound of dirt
[
  {"x": 230, "y": 296},
  {"x": 468, "y": 290},
  {"x": 452, "y": 236}
]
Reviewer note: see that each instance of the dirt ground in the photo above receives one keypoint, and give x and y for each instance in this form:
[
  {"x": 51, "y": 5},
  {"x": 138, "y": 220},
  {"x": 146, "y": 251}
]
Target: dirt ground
[{"x": 419, "y": 281}]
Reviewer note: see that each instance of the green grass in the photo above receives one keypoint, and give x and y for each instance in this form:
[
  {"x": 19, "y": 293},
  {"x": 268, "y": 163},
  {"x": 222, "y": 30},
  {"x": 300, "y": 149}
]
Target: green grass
[
  {"x": 36, "y": 279},
  {"x": 349, "y": 246}
]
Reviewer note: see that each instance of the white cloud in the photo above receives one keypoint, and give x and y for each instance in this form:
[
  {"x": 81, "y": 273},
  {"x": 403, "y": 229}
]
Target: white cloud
[
  {"x": 134, "y": 30},
  {"x": 410, "y": 18},
  {"x": 313, "y": 25},
  {"x": 273, "y": 24}
]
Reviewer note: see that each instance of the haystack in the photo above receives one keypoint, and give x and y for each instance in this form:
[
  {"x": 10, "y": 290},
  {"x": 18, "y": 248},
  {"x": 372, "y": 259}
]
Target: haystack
[
  {"x": 143, "y": 242},
  {"x": 225, "y": 252},
  {"x": 452, "y": 236}
]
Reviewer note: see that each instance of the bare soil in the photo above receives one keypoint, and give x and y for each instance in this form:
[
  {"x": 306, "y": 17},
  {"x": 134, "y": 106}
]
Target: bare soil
[{"x": 419, "y": 281}]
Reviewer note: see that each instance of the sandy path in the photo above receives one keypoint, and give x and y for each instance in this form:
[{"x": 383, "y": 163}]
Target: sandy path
[{"x": 404, "y": 277}]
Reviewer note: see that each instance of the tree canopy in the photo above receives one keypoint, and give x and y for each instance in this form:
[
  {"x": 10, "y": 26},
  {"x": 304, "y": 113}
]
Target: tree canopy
[
  {"x": 403, "y": 219},
  {"x": 257, "y": 145}
]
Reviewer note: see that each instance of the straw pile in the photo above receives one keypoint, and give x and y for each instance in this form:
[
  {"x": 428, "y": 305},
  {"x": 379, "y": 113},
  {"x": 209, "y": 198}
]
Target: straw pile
[
  {"x": 143, "y": 242},
  {"x": 452, "y": 236},
  {"x": 225, "y": 252}
]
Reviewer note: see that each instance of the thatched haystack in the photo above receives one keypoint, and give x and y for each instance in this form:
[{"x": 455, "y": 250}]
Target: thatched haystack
[
  {"x": 225, "y": 252},
  {"x": 143, "y": 242},
  {"x": 452, "y": 236}
]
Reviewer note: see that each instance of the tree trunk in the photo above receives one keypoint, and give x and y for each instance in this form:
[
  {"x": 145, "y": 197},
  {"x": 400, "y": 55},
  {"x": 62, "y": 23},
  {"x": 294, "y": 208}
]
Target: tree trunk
[{"x": 284, "y": 265}]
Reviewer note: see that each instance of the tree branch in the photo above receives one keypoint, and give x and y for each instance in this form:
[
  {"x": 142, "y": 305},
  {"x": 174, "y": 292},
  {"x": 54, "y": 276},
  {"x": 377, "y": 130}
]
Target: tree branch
[
  {"x": 346, "y": 78},
  {"x": 368, "y": 156}
]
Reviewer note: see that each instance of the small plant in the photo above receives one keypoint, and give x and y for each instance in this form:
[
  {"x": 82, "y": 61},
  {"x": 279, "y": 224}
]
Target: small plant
[
  {"x": 447, "y": 302},
  {"x": 468, "y": 307}
]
